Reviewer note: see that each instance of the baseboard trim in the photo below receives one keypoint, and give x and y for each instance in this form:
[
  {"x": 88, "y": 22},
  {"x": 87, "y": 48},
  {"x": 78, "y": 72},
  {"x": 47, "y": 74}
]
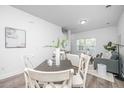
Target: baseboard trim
[
  {"x": 10, "y": 74},
  {"x": 4, "y": 76}
]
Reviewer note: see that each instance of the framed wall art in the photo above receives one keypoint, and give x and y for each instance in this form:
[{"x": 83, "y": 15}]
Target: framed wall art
[{"x": 15, "y": 38}]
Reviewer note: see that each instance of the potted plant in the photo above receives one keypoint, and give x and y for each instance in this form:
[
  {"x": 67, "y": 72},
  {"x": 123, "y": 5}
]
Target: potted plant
[
  {"x": 59, "y": 45},
  {"x": 110, "y": 47}
]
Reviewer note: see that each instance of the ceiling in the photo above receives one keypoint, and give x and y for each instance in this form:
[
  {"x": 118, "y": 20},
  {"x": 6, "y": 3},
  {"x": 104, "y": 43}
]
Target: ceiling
[{"x": 69, "y": 16}]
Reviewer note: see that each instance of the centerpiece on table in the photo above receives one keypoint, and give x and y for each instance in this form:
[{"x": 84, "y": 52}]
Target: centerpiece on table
[{"x": 58, "y": 45}]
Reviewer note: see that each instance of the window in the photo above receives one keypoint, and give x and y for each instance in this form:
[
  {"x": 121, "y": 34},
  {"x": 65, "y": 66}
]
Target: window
[{"x": 86, "y": 44}]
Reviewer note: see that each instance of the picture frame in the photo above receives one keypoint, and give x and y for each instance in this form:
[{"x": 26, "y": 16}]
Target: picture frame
[{"x": 15, "y": 38}]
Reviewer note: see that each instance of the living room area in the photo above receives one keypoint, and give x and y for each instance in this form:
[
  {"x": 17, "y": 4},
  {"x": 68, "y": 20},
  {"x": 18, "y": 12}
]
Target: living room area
[
  {"x": 105, "y": 45},
  {"x": 35, "y": 32}
]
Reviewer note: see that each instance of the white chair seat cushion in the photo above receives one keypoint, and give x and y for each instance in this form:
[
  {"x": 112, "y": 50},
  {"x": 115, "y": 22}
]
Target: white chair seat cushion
[{"x": 77, "y": 81}]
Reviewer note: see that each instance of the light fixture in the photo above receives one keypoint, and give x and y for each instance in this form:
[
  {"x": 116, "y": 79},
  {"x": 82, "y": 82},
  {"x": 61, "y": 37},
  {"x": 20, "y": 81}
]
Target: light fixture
[{"x": 83, "y": 21}]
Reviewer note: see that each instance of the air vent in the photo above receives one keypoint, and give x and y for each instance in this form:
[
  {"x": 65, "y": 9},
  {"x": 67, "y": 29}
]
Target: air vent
[
  {"x": 107, "y": 6},
  {"x": 108, "y": 23}
]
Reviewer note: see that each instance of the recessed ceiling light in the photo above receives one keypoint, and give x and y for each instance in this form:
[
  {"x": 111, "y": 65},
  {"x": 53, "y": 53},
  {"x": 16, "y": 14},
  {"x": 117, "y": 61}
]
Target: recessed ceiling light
[{"x": 83, "y": 21}]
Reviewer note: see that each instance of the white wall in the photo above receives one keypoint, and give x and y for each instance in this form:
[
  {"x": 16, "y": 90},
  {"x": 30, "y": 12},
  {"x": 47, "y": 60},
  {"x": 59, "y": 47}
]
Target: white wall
[
  {"x": 121, "y": 34},
  {"x": 69, "y": 40},
  {"x": 67, "y": 35},
  {"x": 103, "y": 36},
  {"x": 38, "y": 34}
]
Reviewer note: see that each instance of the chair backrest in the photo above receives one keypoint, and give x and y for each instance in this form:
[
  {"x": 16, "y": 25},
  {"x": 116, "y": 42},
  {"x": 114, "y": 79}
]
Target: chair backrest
[
  {"x": 74, "y": 59},
  {"x": 81, "y": 62},
  {"x": 27, "y": 62},
  {"x": 83, "y": 66},
  {"x": 32, "y": 76}
]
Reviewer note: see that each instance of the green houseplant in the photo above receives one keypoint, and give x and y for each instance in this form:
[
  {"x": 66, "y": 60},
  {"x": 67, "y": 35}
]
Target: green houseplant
[
  {"x": 58, "y": 45},
  {"x": 110, "y": 47}
]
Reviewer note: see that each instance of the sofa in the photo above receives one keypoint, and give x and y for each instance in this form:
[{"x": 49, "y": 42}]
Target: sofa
[{"x": 112, "y": 63}]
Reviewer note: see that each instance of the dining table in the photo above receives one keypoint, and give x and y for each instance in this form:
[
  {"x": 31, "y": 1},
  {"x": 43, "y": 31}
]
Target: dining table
[{"x": 64, "y": 65}]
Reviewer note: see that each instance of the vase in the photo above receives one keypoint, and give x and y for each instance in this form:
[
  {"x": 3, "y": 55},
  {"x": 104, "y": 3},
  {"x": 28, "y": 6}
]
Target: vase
[{"x": 57, "y": 53}]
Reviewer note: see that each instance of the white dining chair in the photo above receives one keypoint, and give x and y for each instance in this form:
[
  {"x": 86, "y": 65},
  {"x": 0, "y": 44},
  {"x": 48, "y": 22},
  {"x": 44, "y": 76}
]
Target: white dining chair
[
  {"x": 48, "y": 79},
  {"x": 79, "y": 79},
  {"x": 27, "y": 62},
  {"x": 74, "y": 59}
]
